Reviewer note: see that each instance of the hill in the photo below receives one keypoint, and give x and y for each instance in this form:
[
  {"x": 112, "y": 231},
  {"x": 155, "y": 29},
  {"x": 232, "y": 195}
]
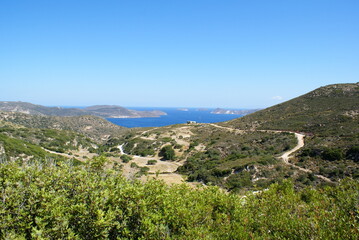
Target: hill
[
  {"x": 329, "y": 116},
  {"x": 112, "y": 111},
  {"x": 105, "y": 111},
  {"x": 325, "y": 111},
  {"x": 93, "y": 127}
]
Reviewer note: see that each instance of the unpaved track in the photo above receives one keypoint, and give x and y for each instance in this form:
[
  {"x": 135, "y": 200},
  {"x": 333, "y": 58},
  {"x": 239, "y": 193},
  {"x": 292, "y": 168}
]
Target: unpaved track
[{"x": 285, "y": 156}]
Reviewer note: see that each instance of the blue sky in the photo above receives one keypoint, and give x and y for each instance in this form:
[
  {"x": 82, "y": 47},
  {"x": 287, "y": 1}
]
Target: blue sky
[{"x": 181, "y": 53}]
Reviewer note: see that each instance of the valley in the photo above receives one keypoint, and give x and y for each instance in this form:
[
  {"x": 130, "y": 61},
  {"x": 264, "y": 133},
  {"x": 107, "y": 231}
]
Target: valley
[
  {"x": 248, "y": 153},
  {"x": 293, "y": 164}
]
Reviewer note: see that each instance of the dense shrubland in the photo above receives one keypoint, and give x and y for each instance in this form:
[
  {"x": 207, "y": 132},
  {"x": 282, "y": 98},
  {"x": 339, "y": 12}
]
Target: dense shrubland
[
  {"x": 233, "y": 160},
  {"x": 51, "y": 200}
]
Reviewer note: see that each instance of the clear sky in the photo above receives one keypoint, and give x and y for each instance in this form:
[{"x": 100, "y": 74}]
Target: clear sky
[{"x": 180, "y": 53}]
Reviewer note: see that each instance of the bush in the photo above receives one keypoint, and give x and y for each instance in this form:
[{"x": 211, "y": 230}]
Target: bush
[
  {"x": 167, "y": 153},
  {"x": 151, "y": 162},
  {"x": 126, "y": 158},
  {"x": 332, "y": 154},
  {"x": 239, "y": 180},
  {"x": 134, "y": 165},
  {"x": 45, "y": 201},
  {"x": 353, "y": 153}
]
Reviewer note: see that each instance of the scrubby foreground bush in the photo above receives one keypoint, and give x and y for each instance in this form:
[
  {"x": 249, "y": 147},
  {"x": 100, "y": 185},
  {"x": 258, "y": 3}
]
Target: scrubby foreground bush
[{"x": 61, "y": 201}]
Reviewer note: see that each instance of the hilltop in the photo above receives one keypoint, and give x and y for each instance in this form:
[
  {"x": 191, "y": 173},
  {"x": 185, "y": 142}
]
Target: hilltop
[
  {"x": 326, "y": 110},
  {"x": 104, "y": 111}
]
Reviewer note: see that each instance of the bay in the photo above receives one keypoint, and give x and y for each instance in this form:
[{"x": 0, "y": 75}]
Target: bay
[{"x": 174, "y": 116}]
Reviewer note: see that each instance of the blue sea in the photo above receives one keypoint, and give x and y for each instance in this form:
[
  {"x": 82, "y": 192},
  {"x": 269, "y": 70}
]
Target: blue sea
[{"x": 174, "y": 116}]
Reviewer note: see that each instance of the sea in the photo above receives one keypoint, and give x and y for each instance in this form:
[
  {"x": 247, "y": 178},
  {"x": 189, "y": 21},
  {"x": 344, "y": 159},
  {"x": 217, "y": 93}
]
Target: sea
[{"x": 174, "y": 116}]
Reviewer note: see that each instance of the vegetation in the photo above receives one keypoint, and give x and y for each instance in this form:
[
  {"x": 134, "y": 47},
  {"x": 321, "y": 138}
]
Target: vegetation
[
  {"x": 24, "y": 151},
  {"x": 140, "y": 147},
  {"x": 126, "y": 158},
  {"x": 51, "y": 139},
  {"x": 325, "y": 111},
  {"x": 14, "y": 147},
  {"x": 45, "y": 201},
  {"x": 330, "y": 118},
  {"x": 229, "y": 158},
  {"x": 167, "y": 153},
  {"x": 151, "y": 162},
  {"x": 47, "y": 196}
]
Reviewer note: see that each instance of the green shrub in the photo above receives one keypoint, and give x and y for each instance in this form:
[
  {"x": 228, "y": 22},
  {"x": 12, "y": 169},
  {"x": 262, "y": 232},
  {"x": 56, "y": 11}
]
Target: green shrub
[
  {"x": 332, "y": 154},
  {"x": 134, "y": 165},
  {"x": 353, "y": 153},
  {"x": 45, "y": 201},
  {"x": 126, "y": 158},
  {"x": 167, "y": 153},
  {"x": 151, "y": 162}
]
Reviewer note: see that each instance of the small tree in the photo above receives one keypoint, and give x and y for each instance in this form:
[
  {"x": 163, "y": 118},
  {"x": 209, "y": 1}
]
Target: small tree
[
  {"x": 332, "y": 154},
  {"x": 167, "y": 152},
  {"x": 151, "y": 162},
  {"x": 126, "y": 158}
]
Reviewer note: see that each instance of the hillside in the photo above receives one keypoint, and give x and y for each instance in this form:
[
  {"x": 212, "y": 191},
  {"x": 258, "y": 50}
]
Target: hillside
[
  {"x": 93, "y": 127},
  {"x": 105, "y": 111},
  {"x": 329, "y": 116},
  {"x": 327, "y": 110},
  {"x": 24, "y": 144}
]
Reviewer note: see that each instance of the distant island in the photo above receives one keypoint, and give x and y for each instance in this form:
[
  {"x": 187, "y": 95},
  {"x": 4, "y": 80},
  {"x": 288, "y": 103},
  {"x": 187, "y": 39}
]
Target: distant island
[
  {"x": 229, "y": 111},
  {"x": 183, "y": 109},
  {"x": 104, "y": 111}
]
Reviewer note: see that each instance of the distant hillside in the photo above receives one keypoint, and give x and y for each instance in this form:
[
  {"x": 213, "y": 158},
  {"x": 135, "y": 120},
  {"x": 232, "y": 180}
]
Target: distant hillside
[
  {"x": 91, "y": 126},
  {"x": 33, "y": 109},
  {"x": 229, "y": 111},
  {"x": 105, "y": 111},
  {"x": 111, "y": 111}
]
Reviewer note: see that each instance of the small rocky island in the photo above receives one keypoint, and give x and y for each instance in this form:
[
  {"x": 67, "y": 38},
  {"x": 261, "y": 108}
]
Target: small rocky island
[{"x": 237, "y": 112}]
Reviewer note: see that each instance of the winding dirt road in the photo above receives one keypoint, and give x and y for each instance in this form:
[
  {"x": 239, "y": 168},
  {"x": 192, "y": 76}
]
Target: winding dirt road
[{"x": 285, "y": 156}]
